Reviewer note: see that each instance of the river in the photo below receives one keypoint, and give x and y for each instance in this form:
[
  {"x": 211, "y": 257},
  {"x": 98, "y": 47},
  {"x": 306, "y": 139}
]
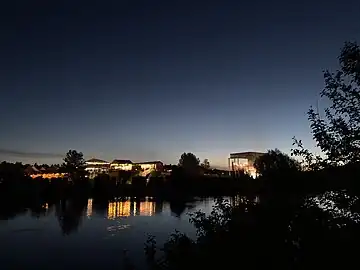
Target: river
[{"x": 92, "y": 235}]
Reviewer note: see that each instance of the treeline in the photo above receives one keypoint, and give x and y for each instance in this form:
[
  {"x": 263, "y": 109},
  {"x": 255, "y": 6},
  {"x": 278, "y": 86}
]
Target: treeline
[
  {"x": 176, "y": 184},
  {"x": 188, "y": 178}
]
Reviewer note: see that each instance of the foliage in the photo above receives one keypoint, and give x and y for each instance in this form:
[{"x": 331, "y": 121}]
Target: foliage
[
  {"x": 155, "y": 173},
  {"x": 175, "y": 250},
  {"x": 260, "y": 234},
  {"x": 74, "y": 164},
  {"x": 11, "y": 171},
  {"x": 275, "y": 162},
  {"x": 136, "y": 169},
  {"x": 213, "y": 232},
  {"x": 150, "y": 247},
  {"x": 308, "y": 160},
  {"x": 189, "y": 163},
  {"x": 74, "y": 160},
  {"x": 188, "y": 160},
  {"x": 298, "y": 229},
  {"x": 205, "y": 164},
  {"x": 338, "y": 133}
]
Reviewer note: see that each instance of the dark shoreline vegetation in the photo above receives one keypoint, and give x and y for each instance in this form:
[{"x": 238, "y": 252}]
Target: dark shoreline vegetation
[
  {"x": 257, "y": 231},
  {"x": 306, "y": 216}
]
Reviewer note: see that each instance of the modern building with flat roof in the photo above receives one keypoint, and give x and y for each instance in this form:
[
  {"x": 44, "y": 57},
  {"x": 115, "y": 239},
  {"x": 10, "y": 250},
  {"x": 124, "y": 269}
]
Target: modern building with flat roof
[
  {"x": 150, "y": 166},
  {"x": 121, "y": 165},
  {"x": 243, "y": 161},
  {"x": 96, "y": 166}
]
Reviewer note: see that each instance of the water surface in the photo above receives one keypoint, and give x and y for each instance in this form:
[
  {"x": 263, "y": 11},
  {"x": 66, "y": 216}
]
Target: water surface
[{"x": 91, "y": 234}]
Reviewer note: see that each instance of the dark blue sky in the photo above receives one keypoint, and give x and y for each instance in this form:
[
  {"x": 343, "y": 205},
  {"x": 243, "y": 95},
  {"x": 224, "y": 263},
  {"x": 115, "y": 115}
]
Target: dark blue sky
[{"x": 148, "y": 80}]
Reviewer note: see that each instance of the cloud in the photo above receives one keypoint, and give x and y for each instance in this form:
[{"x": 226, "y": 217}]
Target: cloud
[{"x": 29, "y": 154}]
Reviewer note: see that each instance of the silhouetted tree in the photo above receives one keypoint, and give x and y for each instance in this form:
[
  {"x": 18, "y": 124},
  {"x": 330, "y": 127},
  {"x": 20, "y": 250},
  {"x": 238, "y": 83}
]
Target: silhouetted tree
[
  {"x": 189, "y": 163},
  {"x": 338, "y": 133},
  {"x": 188, "y": 160},
  {"x": 74, "y": 164},
  {"x": 288, "y": 231},
  {"x": 206, "y": 164},
  {"x": 45, "y": 166},
  {"x": 177, "y": 207},
  {"x": 11, "y": 173},
  {"x": 274, "y": 162},
  {"x": 136, "y": 169},
  {"x": 70, "y": 214},
  {"x": 308, "y": 160},
  {"x": 288, "y": 236}
]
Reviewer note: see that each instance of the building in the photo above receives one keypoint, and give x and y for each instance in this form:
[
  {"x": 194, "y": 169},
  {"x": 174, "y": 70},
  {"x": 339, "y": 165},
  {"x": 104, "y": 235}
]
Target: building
[
  {"x": 118, "y": 168},
  {"x": 96, "y": 166},
  {"x": 45, "y": 173},
  {"x": 32, "y": 170},
  {"x": 121, "y": 165},
  {"x": 243, "y": 161},
  {"x": 150, "y": 166}
]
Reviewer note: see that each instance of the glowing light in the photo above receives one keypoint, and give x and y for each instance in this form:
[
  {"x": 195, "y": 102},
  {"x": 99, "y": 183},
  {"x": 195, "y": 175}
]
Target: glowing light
[
  {"x": 89, "y": 208},
  {"x": 147, "y": 208},
  {"x": 119, "y": 209},
  {"x": 127, "y": 208},
  {"x": 123, "y": 167},
  {"x": 48, "y": 175},
  {"x": 97, "y": 163}
]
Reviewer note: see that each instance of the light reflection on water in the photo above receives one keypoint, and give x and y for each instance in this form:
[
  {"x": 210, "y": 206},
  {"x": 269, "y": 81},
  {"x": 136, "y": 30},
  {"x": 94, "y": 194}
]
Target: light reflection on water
[
  {"x": 89, "y": 208},
  {"x": 91, "y": 229},
  {"x": 130, "y": 208},
  {"x": 127, "y": 207},
  {"x": 147, "y": 206}
]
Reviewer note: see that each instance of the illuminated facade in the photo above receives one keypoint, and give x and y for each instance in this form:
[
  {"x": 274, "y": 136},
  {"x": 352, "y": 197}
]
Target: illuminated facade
[
  {"x": 151, "y": 166},
  {"x": 243, "y": 162},
  {"x": 96, "y": 166},
  {"x": 121, "y": 165},
  {"x": 48, "y": 173}
]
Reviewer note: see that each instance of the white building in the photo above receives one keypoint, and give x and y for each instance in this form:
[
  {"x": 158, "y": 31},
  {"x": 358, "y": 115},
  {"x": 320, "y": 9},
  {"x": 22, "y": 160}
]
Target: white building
[
  {"x": 150, "y": 166},
  {"x": 96, "y": 166},
  {"x": 243, "y": 161},
  {"x": 121, "y": 165}
]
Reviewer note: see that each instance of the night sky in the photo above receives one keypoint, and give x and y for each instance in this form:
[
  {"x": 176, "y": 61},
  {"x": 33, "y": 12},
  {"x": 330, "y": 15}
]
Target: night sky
[{"x": 149, "y": 80}]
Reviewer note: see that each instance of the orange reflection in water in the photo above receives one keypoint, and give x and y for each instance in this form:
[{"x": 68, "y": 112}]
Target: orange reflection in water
[
  {"x": 89, "y": 208},
  {"x": 147, "y": 208},
  {"x": 119, "y": 209},
  {"x": 130, "y": 208}
]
